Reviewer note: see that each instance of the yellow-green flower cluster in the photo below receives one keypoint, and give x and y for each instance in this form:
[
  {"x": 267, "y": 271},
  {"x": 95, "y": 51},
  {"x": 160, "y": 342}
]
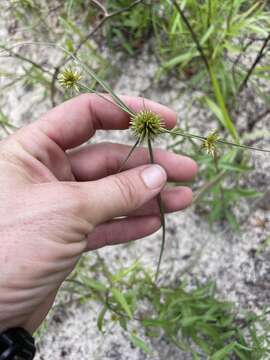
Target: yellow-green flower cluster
[
  {"x": 69, "y": 79},
  {"x": 146, "y": 124},
  {"x": 209, "y": 144}
]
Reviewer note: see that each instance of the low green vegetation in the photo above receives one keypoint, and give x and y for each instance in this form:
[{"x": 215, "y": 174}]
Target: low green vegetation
[{"x": 190, "y": 316}]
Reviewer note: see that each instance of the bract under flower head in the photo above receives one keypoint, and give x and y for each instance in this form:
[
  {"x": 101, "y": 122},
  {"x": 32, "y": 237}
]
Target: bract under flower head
[{"x": 146, "y": 124}]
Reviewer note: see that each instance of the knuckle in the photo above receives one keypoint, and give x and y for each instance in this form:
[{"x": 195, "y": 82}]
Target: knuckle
[
  {"x": 127, "y": 190},
  {"x": 112, "y": 162}
]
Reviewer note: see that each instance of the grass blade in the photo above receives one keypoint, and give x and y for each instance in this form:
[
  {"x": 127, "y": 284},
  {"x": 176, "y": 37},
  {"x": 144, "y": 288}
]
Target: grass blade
[
  {"x": 140, "y": 343},
  {"x": 121, "y": 300}
]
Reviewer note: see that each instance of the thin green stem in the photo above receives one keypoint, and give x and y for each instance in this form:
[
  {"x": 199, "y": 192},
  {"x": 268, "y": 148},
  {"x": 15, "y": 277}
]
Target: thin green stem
[
  {"x": 203, "y": 138},
  {"x": 227, "y": 122},
  {"x": 91, "y": 73},
  {"x": 91, "y": 90},
  {"x": 184, "y": 134},
  {"x": 216, "y": 164},
  {"x": 205, "y": 188},
  {"x": 209, "y": 15},
  {"x": 192, "y": 33},
  {"x": 162, "y": 213},
  {"x": 259, "y": 57},
  {"x": 246, "y": 147}
]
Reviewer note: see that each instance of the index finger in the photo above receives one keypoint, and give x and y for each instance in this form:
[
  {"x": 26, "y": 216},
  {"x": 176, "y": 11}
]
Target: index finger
[{"x": 75, "y": 121}]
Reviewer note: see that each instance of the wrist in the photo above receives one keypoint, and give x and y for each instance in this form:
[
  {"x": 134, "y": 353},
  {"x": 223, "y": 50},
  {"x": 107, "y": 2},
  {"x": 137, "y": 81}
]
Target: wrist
[
  {"x": 16, "y": 343},
  {"x": 9, "y": 322}
]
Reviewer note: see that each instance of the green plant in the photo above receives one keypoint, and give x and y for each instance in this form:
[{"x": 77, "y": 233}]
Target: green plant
[
  {"x": 129, "y": 31},
  {"x": 221, "y": 29},
  {"x": 190, "y": 317},
  {"x": 213, "y": 51},
  {"x": 36, "y": 20},
  {"x": 147, "y": 126}
]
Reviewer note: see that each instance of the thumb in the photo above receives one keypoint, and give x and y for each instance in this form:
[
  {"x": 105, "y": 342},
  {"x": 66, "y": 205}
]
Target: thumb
[{"x": 119, "y": 194}]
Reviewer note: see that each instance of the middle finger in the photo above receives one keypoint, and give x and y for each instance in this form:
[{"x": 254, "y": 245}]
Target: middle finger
[{"x": 93, "y": 162}]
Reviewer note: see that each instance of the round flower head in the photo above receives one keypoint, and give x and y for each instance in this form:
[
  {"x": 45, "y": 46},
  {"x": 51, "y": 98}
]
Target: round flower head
[
  {"x": 209, "y": 144},
  {"x": 69, "y": 78},
  {"x": 146, "y": 124}
]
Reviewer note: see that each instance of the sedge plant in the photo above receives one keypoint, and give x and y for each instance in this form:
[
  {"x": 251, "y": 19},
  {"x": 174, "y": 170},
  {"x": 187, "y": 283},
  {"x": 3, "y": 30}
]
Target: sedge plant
[
  {"x": 209, "y": 30},
  {"x": 146, "y": 127},
  {"x": 192, "y": 318}
]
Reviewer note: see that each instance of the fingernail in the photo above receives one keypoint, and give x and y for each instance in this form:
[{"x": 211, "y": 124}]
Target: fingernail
[{"x": 154, "y": 176}]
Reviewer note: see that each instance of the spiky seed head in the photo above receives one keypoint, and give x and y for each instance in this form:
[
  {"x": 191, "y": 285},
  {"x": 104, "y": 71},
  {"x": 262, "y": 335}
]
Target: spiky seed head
[
  {"x": 69, "y": 79},
  {"x": 209, "y": 144},
  {"x": 146, "y": 124}
]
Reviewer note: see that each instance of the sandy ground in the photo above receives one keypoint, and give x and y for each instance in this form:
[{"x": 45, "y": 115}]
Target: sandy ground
[{"x": 229, "y": 258}]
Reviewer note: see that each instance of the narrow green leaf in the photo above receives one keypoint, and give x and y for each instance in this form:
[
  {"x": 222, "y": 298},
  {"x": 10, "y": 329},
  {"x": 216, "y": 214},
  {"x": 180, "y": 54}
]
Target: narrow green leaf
[
  {"x": 123, "y": 272},
  {"x": 234, "y": 167},
  {"x": 101, "y": 316},
  {"x": 94, "y": 284},
  {"x": 222, "y": 353},
  {"x": 183, "y": 58},
  {"x": 136, "y": 341},
  {"x": 215, "y": 109},
  {"x": 221, "y": 102},
  {"x": 120, "y": 298}
]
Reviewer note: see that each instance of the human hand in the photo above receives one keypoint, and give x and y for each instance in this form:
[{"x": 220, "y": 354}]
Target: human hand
[{"x": 57, "y": 203}]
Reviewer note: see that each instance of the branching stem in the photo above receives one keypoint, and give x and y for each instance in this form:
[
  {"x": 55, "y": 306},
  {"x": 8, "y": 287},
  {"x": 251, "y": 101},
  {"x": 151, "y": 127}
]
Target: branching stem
[
  {"x": 203, "y": 138},
  {"x": 193, "y": 35},
  {"x": 259, "y": 57}
]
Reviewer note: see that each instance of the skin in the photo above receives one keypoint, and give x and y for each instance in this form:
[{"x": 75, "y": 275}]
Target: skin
[{"x": 59, "y": 199}]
